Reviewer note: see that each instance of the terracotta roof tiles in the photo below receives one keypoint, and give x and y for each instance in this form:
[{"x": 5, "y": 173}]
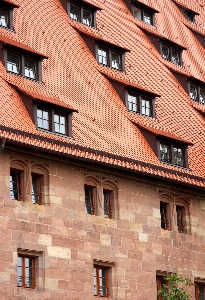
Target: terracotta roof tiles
[{"x": 72, "y": 76}]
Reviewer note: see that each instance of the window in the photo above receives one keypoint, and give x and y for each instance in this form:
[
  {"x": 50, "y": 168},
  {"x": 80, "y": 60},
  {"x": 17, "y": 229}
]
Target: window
[
  {"x": 140, "y": 104},
  {"x": 172, "y": 154},
  {"x": 200, "y": 291},
  {"x": 82, "y": 12},
  {"x": 197, "y": 93},
  {"x": 3, "y": 17},
  {"x": 107, "y": 203},
  {"x": 101, "y": 281},
  {"x": 19, "y": 64},
  {"x": 144, "y": 15},
  {"x": 89, "y": 200},
  {"x": 53, "y": 120},
  {"x": 26, "y": 270},
  {"x": 164, "y": 212},
  {"x": 172, "y": 54},
  {"x": 36, "y": 193},
  {"x": 174, "y": 211},
  {"x": 6, "y": 14},
  {"x": 160, "y": 282},
  {"x": 15, "y": 185},
  {"x": 110, "y": 58},
  {"x": 190, "y": 16}
]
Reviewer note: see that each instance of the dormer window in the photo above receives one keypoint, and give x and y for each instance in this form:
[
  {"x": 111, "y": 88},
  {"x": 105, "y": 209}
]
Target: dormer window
[
  {"x": 190, "y": 15},
  {"x": 81, "y": 12},
  {"x": 197, "y": 93},
  {"x": 12, "y": 63},
  {"x": 110, "y": 57},
  {"x": 171, "y": 54},
  {"x": 6, "y": 14},
  {"x": 143, "y": 12},
  {"x": 53, "y": 119},
  {"x": 172, "y": 153},
  {"x": 140, "y": 104}
]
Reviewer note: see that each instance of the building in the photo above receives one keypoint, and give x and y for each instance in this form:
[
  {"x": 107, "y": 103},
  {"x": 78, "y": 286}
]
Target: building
[{"x": 102, "y": 158}]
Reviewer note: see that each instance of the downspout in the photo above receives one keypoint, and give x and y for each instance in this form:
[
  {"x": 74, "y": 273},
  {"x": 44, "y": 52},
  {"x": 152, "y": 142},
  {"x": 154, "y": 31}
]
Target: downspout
[{"x": 2, "y": 145}]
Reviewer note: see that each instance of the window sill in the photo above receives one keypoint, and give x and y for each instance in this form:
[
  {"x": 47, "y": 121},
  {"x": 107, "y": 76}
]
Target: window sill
[
  {"x": 170, "y": 165},
  {"x": 56, "y": 134},
  {"x": 8, "y": 29},
  {"x": 111, "y": 68},
  {"x": 137, "y": 114},
  {"x": 19, "y": 75},
  {"x": 78, "y": 22},
  {"x": 178, "y": 65}
]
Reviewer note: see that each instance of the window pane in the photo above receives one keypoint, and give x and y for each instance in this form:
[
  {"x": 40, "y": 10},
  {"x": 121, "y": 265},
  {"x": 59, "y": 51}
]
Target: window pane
[
  {"x": 147, "y": 18},
  {"x": 75, "y": 13},
  {"x": 164, "y": 153},
  {"x": 30, "y": 69},
  {"x": 89, "y": 201},
  {"x": 59, "y": 124},
  {"x": 12, "y": 63},
  {"x": 175, "y": 57},
  {"x": 164, "y": 215},
  {"x": 107, "y": 204},
  {"x": 116, "y": 64},
  {"x": 193, "y": 92},
  {"x": 165, "y": 52},
  {"x": 133, "y": 103},
  {"x": 19, "y": 271},
  {"x": 180, "y": 215},
  {"x": 87, "y": 18},
  {"x": 202, "y": 97},
  {"x": 14, "y": 186},
  {"x": 42, "y": 119},
  {"x": 137, "y": 13},
  {"x": 178, "y": 156},
  {"x": 102, "y": 56},
  {"x": 146, "y": 111},
  {"x": 3, "y": 18},
  {"x": 35, "y": 189}
]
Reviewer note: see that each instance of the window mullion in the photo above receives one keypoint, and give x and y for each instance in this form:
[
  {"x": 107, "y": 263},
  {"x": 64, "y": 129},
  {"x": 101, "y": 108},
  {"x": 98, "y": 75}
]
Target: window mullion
[
  {"x": 22, "y": 65},
  {"x": 172, "y": 154}
]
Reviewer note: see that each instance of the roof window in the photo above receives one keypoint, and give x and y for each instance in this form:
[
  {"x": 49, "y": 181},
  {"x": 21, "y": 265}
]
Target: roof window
[
  {"x": 6, "y": 14},
  {"x": 143, "y": 13}
]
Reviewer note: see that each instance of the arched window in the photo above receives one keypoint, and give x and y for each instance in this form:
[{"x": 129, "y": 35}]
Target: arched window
[
  {"x": 39, "y": 183},
  {"x": 18, "y": 171},
  {"x": 92, "y": 187},
  {"x": 110, "y": 199}
]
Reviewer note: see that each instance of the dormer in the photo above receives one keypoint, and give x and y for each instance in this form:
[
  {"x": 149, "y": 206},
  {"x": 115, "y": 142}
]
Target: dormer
[{"x": 6, "y": 14}]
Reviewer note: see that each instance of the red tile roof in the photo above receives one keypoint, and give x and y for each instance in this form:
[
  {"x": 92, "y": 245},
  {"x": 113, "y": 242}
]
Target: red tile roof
[{"x": 72, "y": 75}]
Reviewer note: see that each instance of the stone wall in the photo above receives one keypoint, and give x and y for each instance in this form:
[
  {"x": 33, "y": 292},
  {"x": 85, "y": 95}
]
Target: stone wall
[{"x": 67, "y": 241}]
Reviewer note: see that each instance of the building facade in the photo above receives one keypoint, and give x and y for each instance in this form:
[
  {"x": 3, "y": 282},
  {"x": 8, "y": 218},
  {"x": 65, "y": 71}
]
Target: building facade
[{"x": 101, "y": 148}]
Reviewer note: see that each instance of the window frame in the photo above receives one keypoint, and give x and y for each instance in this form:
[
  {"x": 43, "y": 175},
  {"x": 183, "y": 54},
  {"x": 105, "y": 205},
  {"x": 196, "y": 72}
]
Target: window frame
[
  {"x": 22, "y": 56},
  {"x": 165, "y": 205},
  {"x": 197, "y": 286},
  {"x": 109, "y": 208},
  {"x": 198, "y": 87},
  {"x": 171, "y": 48},
  {"x": 140, "y": 97},
  {"x": 83, "y": 7},
  {"x": 172, "y": 145},
  {"x": 98, "y": 268},
  {"x": 9, "y": 8},
  {"x": 33, "y": 258},
  {"x": 92, "y": 202},
  {"x": 159, "y": 279},
  {"x": 39, "y": 178},
  {"x": 20, "y": 183},
  {"x": 51, "y": 109},
  {"x": 144, "y": 9},
  {"x": 109, "y": 49}
]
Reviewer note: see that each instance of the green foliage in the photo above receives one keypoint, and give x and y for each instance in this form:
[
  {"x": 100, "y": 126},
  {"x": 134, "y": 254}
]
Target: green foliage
[{"x": 172, "y": 291}]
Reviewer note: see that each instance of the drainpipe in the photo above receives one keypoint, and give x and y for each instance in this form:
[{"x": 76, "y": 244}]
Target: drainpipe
[{"x": 2, "y": 145}]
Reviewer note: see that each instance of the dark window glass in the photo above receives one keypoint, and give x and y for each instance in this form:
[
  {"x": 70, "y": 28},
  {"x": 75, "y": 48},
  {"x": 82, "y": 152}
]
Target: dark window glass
[
  {"x": 146, "y": 107},
  {"x": 180, "y": 217},
  {"x": 100, "y": 281},
  {"x": 102, "y": 56},
  {"x": 87, "y": 18},
  {"x": 107, "y": 203},
  {"x": 116, "y": 61},
  {"x": 59, "y": 123},
  {"x": 193, "y": 92},
  {"x": 175, "y": 57},
  {"x": 133, "y": 103},
  {"x": 165, "y": 153},
  {"x": 14, "y": 186},
  {"x": 165, "y": 52},
  {"x": 43, "y": 119},
  {"x": 164, "y": 211},
  {"x": 178, "y": 157},
  {"x": 3, "y": 17},
  {"x": 26, "y": 272},
  {"x": 30, "y": 69},
  {"x": 12, "y": 63},
  {"x": 89, "y": 205},
  {"x": 202, "y": 96},
  {"x": 75, "y": 13},
  {"x": 36, "y": 189},
  {"x": 190, "y": 17},
  {"x": 200, "y": 291}
]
